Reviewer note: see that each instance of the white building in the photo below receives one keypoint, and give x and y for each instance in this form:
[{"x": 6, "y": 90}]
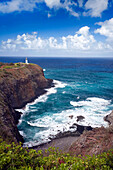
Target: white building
[{"x": 26, "y": 61}]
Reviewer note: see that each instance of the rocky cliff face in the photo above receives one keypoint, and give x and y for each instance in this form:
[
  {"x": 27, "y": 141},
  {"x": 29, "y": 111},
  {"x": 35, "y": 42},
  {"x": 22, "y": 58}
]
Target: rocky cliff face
[{"x": 18, "y": 86}]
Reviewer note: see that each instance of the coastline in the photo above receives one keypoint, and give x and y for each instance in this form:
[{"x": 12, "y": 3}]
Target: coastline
[
  {"x": 65, "y": 142},
  {"x": 24, "y": 86},
  {"x": 19, "y": 84}
]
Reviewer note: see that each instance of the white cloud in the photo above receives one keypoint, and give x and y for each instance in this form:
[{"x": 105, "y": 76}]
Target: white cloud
[
  {"x": 95, "y": 7},
  {"x": 53, "y": 3},
  {"x": 82, "y": 40},
  {"x": 106, "y": 29},
  {"x": 84, "y": 30},
  {"x": 30, "y": 5},
  {"x": 80, "y": 2},
  {"x": 25, "y": 41},
  {"x": 18, "y": 5},
  {"x": 68, "y": 5},
  {"x": 71, "y": 11}
]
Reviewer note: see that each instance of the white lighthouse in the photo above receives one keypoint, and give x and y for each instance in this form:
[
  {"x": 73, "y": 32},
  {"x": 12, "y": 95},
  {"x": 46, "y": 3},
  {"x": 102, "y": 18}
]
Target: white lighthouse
[{"x": 26, "y": 61}]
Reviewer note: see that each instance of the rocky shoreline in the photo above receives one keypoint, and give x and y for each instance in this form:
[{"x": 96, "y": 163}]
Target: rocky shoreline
[
  {"x": 83, "y": 141},
  {"x": 64, "y": 135},
  {"x": 23, "y": 84},
  {"x": 96, "y": 141},
  {"x": 19, "y": 84}
]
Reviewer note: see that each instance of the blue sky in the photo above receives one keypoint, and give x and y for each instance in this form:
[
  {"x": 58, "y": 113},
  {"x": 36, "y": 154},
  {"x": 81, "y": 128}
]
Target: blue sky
[{"x": 56, "y": 28}]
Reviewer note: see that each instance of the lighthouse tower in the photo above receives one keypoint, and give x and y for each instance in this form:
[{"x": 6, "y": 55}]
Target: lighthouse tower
[{"x": 26, "y": 61}]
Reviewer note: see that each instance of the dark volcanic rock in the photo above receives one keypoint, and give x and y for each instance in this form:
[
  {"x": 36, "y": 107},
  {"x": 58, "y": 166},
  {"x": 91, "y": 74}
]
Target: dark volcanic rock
[
  {"x": 78, "y": 130},
  {"x": 79, "y": 118},
  {"x": 109, "y": 118},
  {"x": 81, "y": 128},
  {"x": 66, "y": 134},
  {"x": 18, "y": 86},
  {"x": 71, "y": 116}
]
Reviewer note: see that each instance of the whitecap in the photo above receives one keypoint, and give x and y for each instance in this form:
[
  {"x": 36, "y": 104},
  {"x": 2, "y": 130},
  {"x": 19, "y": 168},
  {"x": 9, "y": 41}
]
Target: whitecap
[
  {"x": 61, "y": 122},
  {"x": 41, "y": 122},
  {"x": 20, "y": 121},
  {"x": 22, "y": 133},
  {"x": 36, "y": 124},
  {"x": 59, "y": 84},
  {"x": 93, "y": 109}
]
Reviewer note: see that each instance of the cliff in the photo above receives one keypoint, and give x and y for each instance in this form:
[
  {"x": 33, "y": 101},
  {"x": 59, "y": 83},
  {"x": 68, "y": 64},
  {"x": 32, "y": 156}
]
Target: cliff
[
  {"x": 19, "y": 84},
  {"x": 96, "y": 141}
]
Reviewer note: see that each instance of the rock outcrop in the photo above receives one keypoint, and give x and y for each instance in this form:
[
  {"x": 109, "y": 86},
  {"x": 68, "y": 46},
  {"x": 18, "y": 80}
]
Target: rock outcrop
[
  {"x": 109, "y": 118},
  {"x": 96, "y": 141},
  {"x": 18, "y": 86}
]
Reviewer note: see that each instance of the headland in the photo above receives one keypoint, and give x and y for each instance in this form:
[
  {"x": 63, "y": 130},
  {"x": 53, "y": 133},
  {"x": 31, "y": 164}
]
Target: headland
[{"x": 20, "y": 83}]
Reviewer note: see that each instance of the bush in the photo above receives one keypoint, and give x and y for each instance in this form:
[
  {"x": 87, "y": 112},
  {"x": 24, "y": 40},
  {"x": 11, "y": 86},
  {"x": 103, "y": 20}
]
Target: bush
[
  {"x": 13, "y": 157},
  {"x": 1, "y": 64},
  {"x": 11, "y": 64}
]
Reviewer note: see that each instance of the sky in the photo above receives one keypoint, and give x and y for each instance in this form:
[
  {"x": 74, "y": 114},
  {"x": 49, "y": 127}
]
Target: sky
[{"x": 56, "y": 28}]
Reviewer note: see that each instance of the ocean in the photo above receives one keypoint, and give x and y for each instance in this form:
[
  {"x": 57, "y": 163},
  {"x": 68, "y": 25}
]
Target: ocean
[{"x": 83, "y": 87}]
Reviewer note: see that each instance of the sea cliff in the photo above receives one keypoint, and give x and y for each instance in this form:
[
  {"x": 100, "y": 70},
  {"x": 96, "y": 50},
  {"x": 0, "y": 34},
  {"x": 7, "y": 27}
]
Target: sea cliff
[{"x": 19, "y": 84}]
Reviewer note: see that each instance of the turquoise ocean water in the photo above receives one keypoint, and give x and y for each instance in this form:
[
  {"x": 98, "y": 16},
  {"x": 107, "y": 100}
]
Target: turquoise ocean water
[{"x": 82, "y": 87}]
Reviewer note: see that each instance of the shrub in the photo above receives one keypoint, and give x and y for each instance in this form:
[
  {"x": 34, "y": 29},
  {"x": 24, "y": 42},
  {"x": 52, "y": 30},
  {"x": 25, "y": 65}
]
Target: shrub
[
  {"x": 1, "y": 64},
  {"x": 13, "y": 157}
]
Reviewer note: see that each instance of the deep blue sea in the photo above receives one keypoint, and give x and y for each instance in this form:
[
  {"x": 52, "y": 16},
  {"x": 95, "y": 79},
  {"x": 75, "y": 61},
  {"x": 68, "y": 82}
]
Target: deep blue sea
[{"x": 82, "y": 87}]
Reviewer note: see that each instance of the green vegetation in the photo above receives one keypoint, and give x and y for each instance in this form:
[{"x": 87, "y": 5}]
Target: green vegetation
[
  {"x": 14, "y": 157},
  {"x": 13, "y": 65}
]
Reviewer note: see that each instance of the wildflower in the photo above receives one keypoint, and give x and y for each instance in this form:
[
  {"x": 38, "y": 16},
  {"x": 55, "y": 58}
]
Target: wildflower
[{"x": 61, "y": 161}]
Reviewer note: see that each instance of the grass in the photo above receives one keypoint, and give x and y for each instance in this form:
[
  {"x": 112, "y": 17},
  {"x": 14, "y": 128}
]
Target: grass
[
  {"x": 13, "y": 157},
  {"x": 12, "y": 65}
]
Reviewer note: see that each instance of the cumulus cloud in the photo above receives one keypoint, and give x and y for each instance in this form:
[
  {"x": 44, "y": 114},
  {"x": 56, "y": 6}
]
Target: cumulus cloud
[
  {"x": 106, "y": 29},
  {"x": 82, "y": 40},
  {"x": 25, "y": 41},
  {"x": 95, "y": 8},
  {"x": 84, "y": 30}
]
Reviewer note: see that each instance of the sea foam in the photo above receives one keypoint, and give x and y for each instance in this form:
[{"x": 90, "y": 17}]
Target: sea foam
[
  {"x": 93, "y": 109},
  {"x": 42, "y": 98}
]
